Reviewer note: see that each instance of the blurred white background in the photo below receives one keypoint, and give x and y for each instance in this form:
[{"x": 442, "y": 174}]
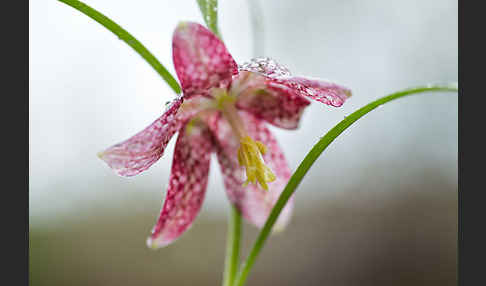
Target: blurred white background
[
  {"x": 89, "y": 90},
  {"x": 379, "y": 207}
]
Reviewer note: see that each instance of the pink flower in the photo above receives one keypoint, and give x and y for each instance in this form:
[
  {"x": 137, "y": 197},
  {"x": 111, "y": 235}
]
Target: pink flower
[{"x": 223, "y": 109}]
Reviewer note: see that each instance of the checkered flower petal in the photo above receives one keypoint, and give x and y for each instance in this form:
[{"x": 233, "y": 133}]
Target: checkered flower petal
[
  {"x": 187, "y": 185},
  {"x": 278, "y": 105},
  {"x": 201, "y": 59},
  {"x": 279, "y": 77},
  {"x": 138, "y": 153}
]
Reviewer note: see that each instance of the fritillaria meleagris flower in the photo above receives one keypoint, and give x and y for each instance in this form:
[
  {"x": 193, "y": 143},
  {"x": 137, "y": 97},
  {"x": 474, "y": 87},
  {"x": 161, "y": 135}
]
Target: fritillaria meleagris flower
[{"x": 224, "y": 109}]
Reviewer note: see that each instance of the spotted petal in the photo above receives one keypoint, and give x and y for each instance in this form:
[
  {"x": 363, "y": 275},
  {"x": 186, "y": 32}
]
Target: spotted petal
[
  {"x": 323, "y": 91},
  {"x": 187, "y": 186},
  {"x": 254, "y": 203},
  {"x": 138, "y": 153},
  {"x": 278, "y": 105},
  {"x": 201, "y": 59},
  {"x": 279, "y": 77}
]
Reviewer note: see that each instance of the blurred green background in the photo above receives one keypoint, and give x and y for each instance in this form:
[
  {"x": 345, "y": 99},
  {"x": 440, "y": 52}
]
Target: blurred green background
[{"x": 378, "y": 208}]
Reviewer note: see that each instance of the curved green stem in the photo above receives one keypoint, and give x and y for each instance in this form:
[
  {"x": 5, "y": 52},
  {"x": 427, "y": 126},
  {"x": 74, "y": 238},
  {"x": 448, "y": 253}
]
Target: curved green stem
[
  {"x": 127, "y": 38},
  {"x": 310, "y": 158},
  {"x": 209, "y": 10},
  {"x": 232, "y": 247}
]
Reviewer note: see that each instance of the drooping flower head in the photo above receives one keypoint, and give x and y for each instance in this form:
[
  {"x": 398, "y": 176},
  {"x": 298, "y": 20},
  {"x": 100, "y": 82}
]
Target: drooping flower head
[{"x": 224, "y": 109}]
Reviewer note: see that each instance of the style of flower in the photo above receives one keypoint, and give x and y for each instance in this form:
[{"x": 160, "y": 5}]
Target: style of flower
[{"x": 223, "y": 109}]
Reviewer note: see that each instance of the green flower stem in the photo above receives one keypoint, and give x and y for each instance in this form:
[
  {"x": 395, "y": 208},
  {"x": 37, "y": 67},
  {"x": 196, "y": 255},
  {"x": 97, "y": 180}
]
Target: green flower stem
[
  {"x": 209, "y": 10},
  {"x": 231, "y": 262},
  {"x": 311, "y": 157},
  {"x": 127, "y": 38}
]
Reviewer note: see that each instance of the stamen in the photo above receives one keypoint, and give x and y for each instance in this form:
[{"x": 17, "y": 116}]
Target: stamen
[
  {"x": 250, "y": 153},
  {"x": 250, "y": 156}
]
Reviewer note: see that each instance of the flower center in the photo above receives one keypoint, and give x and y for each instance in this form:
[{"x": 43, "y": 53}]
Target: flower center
[{"x": 250, "y": 152}]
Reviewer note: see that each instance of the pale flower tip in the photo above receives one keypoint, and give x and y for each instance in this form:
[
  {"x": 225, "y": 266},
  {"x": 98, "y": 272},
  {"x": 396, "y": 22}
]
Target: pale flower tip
[
  {"x": 100, "y": 154},
  {"x": 348, "y": 93},
  {"x": 158, "y": 242},
  {"x": 279, "y": 228},
  {"x": 182, "y": 24},
  {"x": 151, "y": 244}
]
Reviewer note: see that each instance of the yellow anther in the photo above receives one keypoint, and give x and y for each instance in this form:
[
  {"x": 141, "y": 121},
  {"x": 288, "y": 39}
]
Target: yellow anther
[
  {"x": 250, "y": 151},
  {"x": 250, "y": 156},
  {"x": 261, "y": 147}
]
